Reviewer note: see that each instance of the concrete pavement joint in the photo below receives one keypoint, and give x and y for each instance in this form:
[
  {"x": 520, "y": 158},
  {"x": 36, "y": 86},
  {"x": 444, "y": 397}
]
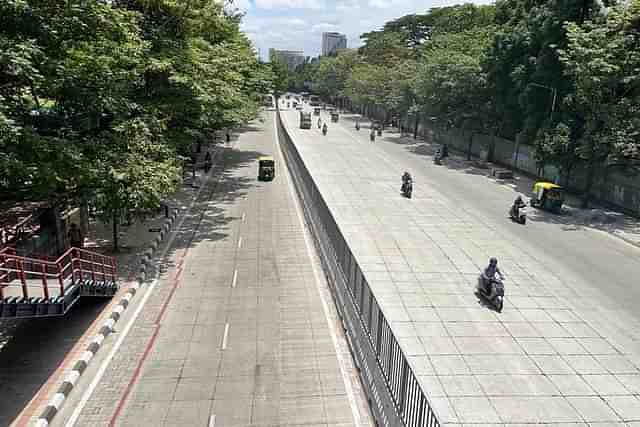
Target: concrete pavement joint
[{"x": 80, "y": 366}]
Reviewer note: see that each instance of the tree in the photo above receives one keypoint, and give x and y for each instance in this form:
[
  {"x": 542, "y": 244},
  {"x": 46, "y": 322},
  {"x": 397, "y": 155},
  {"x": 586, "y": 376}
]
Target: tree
[
  {"x": 99, "y": 99},
  {"x": 603, "y": 61},
  {"x": 451, "y": 85}
]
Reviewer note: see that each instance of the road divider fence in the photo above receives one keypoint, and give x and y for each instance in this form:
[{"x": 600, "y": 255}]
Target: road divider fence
[{"x": 392, "y": 388}]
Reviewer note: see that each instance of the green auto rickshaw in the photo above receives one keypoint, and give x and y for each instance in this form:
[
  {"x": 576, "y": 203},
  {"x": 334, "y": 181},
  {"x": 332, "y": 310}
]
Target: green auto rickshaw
[
  {"x": 266, "y": 168},
  {"x": 548, "y": 196}
]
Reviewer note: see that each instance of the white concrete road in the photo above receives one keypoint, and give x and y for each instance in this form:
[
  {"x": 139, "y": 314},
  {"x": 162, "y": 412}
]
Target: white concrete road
[
  {"x": 565, "y": 349},
  {"x": 240, "y": 329}
]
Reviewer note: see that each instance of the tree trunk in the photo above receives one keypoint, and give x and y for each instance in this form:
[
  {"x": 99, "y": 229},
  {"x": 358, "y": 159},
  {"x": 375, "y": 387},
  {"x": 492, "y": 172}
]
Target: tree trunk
[
  {"x": 591, "y": 170},
  {"x": 470, "y": 146},
  {"x": 416, "y": 124},
  {"x": 115, "y": 232}
]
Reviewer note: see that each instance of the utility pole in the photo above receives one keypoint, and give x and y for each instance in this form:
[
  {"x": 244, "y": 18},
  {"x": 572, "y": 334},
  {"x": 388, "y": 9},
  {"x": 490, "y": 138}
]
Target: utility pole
[{"x": 554, "y": 93}]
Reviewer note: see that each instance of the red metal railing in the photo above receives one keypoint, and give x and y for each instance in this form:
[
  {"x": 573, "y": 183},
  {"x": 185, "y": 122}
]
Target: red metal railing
[{"x": 73, "y": 266}]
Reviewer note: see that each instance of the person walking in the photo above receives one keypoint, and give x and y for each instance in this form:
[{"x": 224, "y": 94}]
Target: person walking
[{"x": 76, "y": 239}]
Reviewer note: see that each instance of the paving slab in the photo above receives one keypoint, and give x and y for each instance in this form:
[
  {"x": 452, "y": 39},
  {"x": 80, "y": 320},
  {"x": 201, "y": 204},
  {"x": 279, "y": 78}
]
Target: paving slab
[
  {"x": 240, "y": 331},
  {"x": 559, "y": 336}
]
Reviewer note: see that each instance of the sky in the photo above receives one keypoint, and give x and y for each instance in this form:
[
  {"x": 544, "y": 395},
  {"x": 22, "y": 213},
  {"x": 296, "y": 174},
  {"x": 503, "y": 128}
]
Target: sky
[{"x": 299, "y": 24}]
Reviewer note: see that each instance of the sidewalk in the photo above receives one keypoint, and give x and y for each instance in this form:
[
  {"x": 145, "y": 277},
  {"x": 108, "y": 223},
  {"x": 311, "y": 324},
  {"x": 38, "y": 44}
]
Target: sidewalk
[{"x": 134, "y": 239}]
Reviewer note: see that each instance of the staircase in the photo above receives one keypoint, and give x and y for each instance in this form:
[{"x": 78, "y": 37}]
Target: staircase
[{"x": 44, "y": 287}]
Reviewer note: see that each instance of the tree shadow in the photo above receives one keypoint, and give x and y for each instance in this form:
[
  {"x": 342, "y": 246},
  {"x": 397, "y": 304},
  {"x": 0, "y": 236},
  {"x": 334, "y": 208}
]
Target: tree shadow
[
  {"x": 209, "y": 219},
  {"x": 33, "y": 350},
  {"x": 571, "y": 218}
]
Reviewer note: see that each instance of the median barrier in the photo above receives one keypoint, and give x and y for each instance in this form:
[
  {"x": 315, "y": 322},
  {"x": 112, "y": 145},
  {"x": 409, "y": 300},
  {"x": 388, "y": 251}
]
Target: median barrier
[{"x": 392, "y": 388}]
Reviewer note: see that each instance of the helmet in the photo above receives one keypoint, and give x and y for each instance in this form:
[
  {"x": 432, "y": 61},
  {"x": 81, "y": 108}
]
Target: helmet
[
  {"x": 493, "y": 261},
  {"x": 519, "y": 199}
]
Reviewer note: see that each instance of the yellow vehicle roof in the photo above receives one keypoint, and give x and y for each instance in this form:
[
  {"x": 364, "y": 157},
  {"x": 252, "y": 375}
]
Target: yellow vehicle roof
[
  {"x": 546, "y": 185},
  {"x": 265, "y": 158}
]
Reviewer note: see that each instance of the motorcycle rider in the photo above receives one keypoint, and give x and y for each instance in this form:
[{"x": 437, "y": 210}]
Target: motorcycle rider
[
  {"x": 406, "y": 179},
  {"x": 406, "y": 176},
  {"x": 489, "y": 274},
  {"x": 319, "y": 123},
  {"x": 517, "y": 204},
  {"x": 358, "y": 125},
  {"x": 324, "y": 129},
  {"x": 372, "y": 135}
]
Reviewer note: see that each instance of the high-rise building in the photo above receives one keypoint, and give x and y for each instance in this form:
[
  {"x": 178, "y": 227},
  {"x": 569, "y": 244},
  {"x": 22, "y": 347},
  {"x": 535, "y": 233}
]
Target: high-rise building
[
  {"x": 292, "y": 58},
  {"x": 332, "y": 42}
]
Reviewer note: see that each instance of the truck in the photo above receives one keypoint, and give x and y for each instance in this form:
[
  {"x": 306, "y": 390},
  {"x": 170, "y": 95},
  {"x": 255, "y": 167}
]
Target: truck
[{"x": 305, "y": 120}]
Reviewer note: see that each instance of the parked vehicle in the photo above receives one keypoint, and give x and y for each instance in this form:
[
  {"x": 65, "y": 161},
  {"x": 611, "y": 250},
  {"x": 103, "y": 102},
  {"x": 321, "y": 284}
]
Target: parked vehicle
[
  {"x": 266, "y": 168},
  {"x": 548, "y": 196},
  {"x": 305, "y": 120},
  {"x": 334, "y": 117},
  {"x": 437, "y": 158}
]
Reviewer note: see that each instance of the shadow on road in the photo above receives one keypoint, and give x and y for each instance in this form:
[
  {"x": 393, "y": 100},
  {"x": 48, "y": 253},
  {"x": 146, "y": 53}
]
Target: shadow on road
[
  {"x": 572, "y": 217},
  {"x": 34, "y": 349}
]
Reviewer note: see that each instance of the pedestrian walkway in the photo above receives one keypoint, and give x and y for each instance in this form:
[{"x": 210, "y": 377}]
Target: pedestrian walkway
[
  {"x": 32, "y": 373},
  {"x": 235, "y": 333},
  {"x": 564, "y": 349}
]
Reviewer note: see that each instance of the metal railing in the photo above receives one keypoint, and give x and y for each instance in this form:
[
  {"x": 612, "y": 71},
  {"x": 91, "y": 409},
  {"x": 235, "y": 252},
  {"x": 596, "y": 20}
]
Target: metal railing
[
  {"x": 394, "y": 391},
  {"x": 74, "y": 266}
]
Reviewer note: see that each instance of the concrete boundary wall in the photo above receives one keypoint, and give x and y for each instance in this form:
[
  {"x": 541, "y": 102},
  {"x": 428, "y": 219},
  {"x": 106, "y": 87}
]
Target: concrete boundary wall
[
  {"x": 614, "y": 188},
  {"x": 392, "y": 388}
]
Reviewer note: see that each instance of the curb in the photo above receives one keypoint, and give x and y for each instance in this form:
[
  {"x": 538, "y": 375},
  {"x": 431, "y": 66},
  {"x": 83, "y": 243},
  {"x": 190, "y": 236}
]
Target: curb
[{"x": 107, "y": 327}]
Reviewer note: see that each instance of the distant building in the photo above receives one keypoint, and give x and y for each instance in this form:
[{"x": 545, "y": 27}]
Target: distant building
[
  {"x": 292, "y": 58},
  {"x": 332, "y": 42}
]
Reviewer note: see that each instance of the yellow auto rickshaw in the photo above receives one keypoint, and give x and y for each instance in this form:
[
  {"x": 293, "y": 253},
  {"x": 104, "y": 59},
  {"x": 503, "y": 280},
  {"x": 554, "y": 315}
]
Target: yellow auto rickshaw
[
  {"x": 547, "y": 195},
  {"x": 266, "y": 168},
  {"x": 334, "y": 117},
  {"x": 316, "y": 111}
]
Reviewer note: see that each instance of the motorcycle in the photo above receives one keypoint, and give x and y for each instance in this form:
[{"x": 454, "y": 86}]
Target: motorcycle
[
  {"x": 324, "y": 131},
  {"x": 372, "y": 136},
  {"x": 437, "y": 159},
  {"x": 496, "y": 295},
  {"x": 407, "y": 188},
  {"x": 357, "y": 126},
  {"x": 521, "y": 216},
  {"x": 319, "y": 123},
  {"x": 379, "y": 131}
]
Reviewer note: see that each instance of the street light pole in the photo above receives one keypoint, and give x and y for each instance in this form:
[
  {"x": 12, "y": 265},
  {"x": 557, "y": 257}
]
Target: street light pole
[{"x": 555, "y": 96}]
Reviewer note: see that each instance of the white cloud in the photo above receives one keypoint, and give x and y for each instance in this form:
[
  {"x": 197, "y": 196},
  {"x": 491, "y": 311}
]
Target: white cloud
[
  {"x": 296, "y": 22},
  {"x": 242, "y": 5},
  {"x": 323, "y": 26},
  {"x": 290, "y": 4}
]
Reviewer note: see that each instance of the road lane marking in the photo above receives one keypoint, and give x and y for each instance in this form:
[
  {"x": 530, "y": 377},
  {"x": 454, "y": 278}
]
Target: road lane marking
[
  {"x": 105, "y": 364},
  {"x": 325, "y": 307},
  {"x": 240, "y": 242},
  {"x": 107, "y": 361},
  {"x": 235, "y": 278},
  {"x": 243, "y": 216},
  {"x": 212, "y": 420},
  {"x": 226, "y": 336}
]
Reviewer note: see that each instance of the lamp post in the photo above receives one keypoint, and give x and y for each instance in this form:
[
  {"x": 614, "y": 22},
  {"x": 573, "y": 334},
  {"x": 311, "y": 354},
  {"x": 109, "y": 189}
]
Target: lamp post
[{"x": 554, "y": 93}]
